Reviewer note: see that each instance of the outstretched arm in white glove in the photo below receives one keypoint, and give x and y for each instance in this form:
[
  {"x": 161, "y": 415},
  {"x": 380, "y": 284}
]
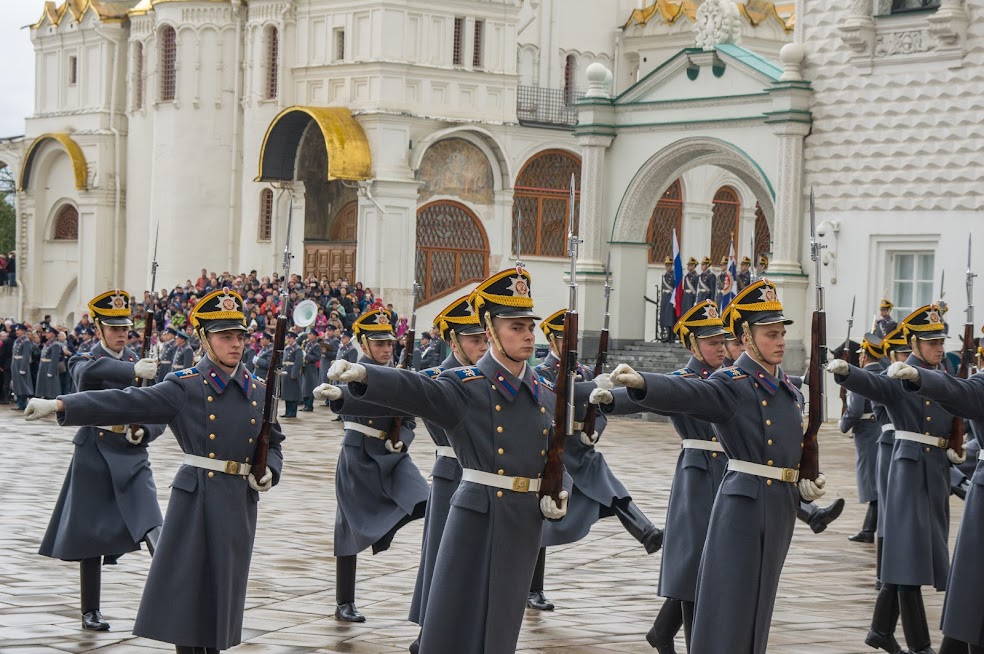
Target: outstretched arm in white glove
[
  {"x": 601, "y": 396},
  {"x": 346, "y": 371},
  {"x": 839, "y": 367},
  {"x": 550, "y": 509},
  {"x": 811, "y": 490},
  {"x": 624, "y": 375},
  {"x": 327, "y": 392},
  {"x": 264, "y": 484},
  {"x": 145, "y": 369},
  {"x": 38, "y": 408},
  {"x": 902, "y": 370}
]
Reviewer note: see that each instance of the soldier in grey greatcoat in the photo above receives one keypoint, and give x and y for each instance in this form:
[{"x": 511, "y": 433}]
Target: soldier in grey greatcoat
[
  {"x": 196, "y": 591},
  {"x": 597, "y": 492},
  {"x": 667, "y": 312},
  {"x": 690, "y": 281},
  {"x": 310, "y": 376},
  {"x": 884, "y": 323},
  {"x": 706, "y": 281},
  {"x": 744, "y": 273},
  {"x": 756, "y": 414},
  {"x": 184, "y": 356},
  {"x": 22, "y": 382},
  {"x": 497, "y": 415},
  {"x": 859, "y": 418},
  {"x": 916, "y": 507},
  {"x": 263, "y": 359},
  {"x": 48, "y": 384},
  {"x": 290, "y": 382},
  {"x": 963, "y": 608},
  {"x": 167, "y": 347},
  {"x": 347, "y": 350},
  {"x": 378, "y": 487},
  {"x": 108, "y": 503}
]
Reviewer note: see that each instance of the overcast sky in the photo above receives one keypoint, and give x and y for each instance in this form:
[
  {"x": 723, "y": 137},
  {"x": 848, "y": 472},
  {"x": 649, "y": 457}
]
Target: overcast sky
[{"x": 16, "y": 63}]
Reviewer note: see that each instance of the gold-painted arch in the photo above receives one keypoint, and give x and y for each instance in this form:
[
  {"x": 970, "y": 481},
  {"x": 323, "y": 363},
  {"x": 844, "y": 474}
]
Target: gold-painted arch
[
  {"x": 71, "y": 148},
  {"x": 349, "y": 157}
]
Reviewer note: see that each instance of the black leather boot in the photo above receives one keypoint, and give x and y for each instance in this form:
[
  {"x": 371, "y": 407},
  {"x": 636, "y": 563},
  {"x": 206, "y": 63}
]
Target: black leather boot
[
  {"x": 537, "y": 600},
  {"x": 90, "y": 578},
  {"x": 867, "y": 533},
  {"x": 879, "y": 541},
  {"x": 151, "y": 538},
  {"x": 914, "y": 622},
  {"x": 883, "y": 621},
  {"x": 960, "y": 488},
  {"x": 415, "y": 645},
  {"x": 953, "y": 646},
  {"x": 345, "y": 590},
  {"x": 667, "y": 623},
  {"x": 688, "y": 621},
  {"x": 639, "y": 526},
  {"x": 818, "y": 518}
]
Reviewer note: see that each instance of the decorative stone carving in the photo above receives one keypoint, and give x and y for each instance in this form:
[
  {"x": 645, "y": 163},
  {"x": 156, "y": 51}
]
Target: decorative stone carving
[
  {"x": 791, "y": 55},
  {"x": 718, "y": 22},
  {"x": 858, "y": 30},
  {"x": 949, "y": 23},
  {"x": 903, "y": 43},
  {"x": 599, "y": 79}
]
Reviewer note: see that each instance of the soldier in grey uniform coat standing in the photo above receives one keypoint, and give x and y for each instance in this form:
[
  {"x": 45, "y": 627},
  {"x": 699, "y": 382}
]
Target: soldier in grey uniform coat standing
[
  {"x": 184, "y": 356},
  {"x": 690, "y": 282},
  {"x": 48, "y": 384},
  {"x": 167, "y": 347},
  {"x": 108, "y": 502},
  {"x": 667, "y": 312},
  {"x": 347, "y": 351},
  {"x": 310, "y": 376},
  {"x": 497, "y": 415},
  {"x": 290, "y": 383},
  {"x": 963, "y": 608},
  {"x": 22, "y": 383},
  {"x": 263, "y": 359},
  {"x": 757, "y": 417},
  {"x": 195, "y": 593},
  {"x": 706, "y": 281},
  {"x": 597, "y": 492},
  {"x": 378, "y": 487},
  {"x": 916, "y": 508}
]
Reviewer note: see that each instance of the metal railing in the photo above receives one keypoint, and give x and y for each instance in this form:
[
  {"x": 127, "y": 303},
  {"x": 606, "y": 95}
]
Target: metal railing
[{"x": 542, "y": 106}]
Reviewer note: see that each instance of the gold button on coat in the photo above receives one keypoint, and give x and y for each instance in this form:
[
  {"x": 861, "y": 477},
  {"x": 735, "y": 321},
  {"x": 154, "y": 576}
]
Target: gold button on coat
[
  {"x": 768, "y": 482},
  {"x": 499, "y": 429},
  {"x": 498, "y": 494},
  {"x": 211, "y": 474},
  {"x": 211, "y": 455},
  {"x": 211, "y": 437},
  {"x": 211, "y": 416},
  {"x": 501, "y": 451},
  {"x": 212, "y": 399},
  {"x": 764, "y": 403}
]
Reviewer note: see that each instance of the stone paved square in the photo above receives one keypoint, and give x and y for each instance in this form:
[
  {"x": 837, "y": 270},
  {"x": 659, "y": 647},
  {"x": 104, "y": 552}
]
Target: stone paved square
[{"x": 604, "y": 586}]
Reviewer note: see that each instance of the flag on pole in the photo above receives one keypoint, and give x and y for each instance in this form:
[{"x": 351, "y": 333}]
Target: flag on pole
[
  {"x": 677, "y": 298},
  {"x": 728, "y": 287}
]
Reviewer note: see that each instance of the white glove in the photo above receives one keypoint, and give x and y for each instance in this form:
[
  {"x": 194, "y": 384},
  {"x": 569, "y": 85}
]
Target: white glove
[
  {"x": 601, "y": 396},
  {"x": 604, "y": 380},
  {"x": 145, "y": 369},
  {"x": 394, "y": 449},
  {"x": 954, "y": 457},
  {"x": 590, "y": 441},
  {"x": 38, "y": 408},
  {"x": 550, "y": 509},
  {"x": 264, "y": 484},
  {"x": 346, "y": 371},
  {"x": 135, "y": 437},
  {"x": 902, "y": 370},
  {"x": 812, "y": 490},
  {"x": 624, "y": 375},
  {"x": 327, "y": 392},
  {"x": 839, "y": 367}
]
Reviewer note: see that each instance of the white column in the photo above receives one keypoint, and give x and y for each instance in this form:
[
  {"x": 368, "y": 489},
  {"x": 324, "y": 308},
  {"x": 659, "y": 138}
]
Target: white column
[
  {"x": 385, "y": 253},
  {"x": 594, "y": 224},
  {"x": 628, "y": 308},
  {"x": 786, "y": 244}
]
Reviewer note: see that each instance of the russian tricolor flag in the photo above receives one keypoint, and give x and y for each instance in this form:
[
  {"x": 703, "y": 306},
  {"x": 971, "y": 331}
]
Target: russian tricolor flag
[
  {"x": 728, "y": 292},
  {"x": 677, "y": 297}
]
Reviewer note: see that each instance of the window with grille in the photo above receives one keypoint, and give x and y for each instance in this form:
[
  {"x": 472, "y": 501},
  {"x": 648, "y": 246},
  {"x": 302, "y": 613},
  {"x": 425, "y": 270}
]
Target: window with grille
[
  {"x": 66, "y": 227},
  {"x": 477, "y": 46},
  {"x": 569, "y": 79},
  {"x": 265, "y": 224},
  {"x": 452, "y": 248},
  {"x": 169, "y": 55},
  {"x": 459, "y": 30},
  {"x": 902, "y": 6},
  {"x": 73, "y": 70},
  {"x": 542, "y": 197},
  {"x": 724, "y": 222},
  {"x": 138, "y": 75},
  {"x": 763, "y": 235},
  {"x": 667, "y": 216},
  {"x": 273, "y": 63},
  {"x": 338, "y": 36},
  {"x": 912, "y": 281}
]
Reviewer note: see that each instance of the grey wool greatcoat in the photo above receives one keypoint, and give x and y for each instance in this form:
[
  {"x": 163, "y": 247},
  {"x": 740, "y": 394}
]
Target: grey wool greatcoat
[
  {"x": 963, "y": 608},
  {"x": 310, "y": 377},
  {"x": 485, "y": 561},
  {"x": 184, "y": 357},
  {"x": 196, "y": 589},
  {"x": 757, "y": 418},
  {"x": 108, "y": 501},
  {"x": 377, "y": 491},
  {"x": 261, "y": 364},
  {"x": 22, "y": 383},
  {"x": 916, "y": 506},
  {"x": 48, "y": 384},
  {"x": 860, "y": 418},
  {"x": 347, "y": 352},
  {"x": 164, "y": 365},
  {"x": 883, "y": 453},
  {"x": 596, "y": 489},
  {"x": 290, "y": 381},
  {"x": 696, "y": 481}
]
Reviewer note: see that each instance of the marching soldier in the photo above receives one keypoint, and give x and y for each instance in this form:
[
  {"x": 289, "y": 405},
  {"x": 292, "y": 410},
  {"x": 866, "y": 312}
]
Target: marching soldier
[
  {"x": 667, "y": 312},
  {"x": 916, "y": 529},
  {"x": 497, "y": 415},
  {"x": 706, "y": 281},
  {"x": 166, "y": 352},
  {"x": 347, "y": 351},
  {"x": 860, "y": 418},
  {"x": 757, "y": 417},
  {"x": 290, "y": 383},
  {"x": 884, "y": 323},
  {"x": 24, "y": 352},
  {"x": 309, "y": 377},
  {"x": 48, "y": 384},
  {"x": 263, "y": 358},
  {"x": 597, "y": 493},
  {"x": 196, "y": 590},
  {"x": 744, "y": 273},
  {"x": 690, "y": 280},
  {"x": 108, "y": 503},
  {"x": 184, "y": 356}
]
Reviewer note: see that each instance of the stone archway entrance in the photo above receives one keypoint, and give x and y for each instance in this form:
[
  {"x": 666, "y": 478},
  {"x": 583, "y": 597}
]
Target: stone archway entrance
[{"x": 335, "y": 257}]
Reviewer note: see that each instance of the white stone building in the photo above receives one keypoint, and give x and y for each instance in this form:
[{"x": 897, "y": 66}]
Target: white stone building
[{"x": 414, "y": 134}]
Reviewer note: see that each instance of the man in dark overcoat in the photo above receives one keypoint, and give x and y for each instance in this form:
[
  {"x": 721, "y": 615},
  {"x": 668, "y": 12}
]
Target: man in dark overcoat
[
  {"x": 706, "y": 281},
  {"x": 310, "y": 374},
  {"x": 290, "y": 381},
  {"x": 48, "y": 384},
  {"x": 184, "y": 356},
  {"x": 690, "y": 283},
  {"x": 166, "y": 348},
  {"x": 22, "y": 381},
  {"x": 263, "y": 358},
  {"x": 667, "y": 312}
]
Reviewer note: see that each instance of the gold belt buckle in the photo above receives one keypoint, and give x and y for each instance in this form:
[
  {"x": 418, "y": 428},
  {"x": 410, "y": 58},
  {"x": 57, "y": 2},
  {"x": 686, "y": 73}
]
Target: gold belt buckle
[
  {"x": 578, "y": 426},
  {"x": 232, "y": 467},
  {"x": 942, "y": 442},
  {"x": 118, "y": 429},
  {"x": 521, "y": 484},
  {"x": 790, "y": 475}
]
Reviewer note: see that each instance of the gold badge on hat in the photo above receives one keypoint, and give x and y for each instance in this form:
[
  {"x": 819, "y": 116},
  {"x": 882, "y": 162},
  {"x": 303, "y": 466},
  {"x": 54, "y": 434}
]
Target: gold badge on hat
[
  {"x": 519, "y": 286},
  {"x": 712, "y": 312},
  {"x": 933, "y": 317},
  {"x": 382, "y": 319},
  {"x": 119, "y": 302},
  {"x": 225, "y": 302}
]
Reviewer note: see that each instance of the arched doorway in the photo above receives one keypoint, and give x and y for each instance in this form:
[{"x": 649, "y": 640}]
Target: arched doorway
[{"x": 335, "y": 258}]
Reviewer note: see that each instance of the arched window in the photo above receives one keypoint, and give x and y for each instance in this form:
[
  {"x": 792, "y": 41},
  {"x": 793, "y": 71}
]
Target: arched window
[
  {"x": 168, "y": 44},
  {"x": 763, "y": 235},
  {"x": 570, "y": 72},
  {"x": 264, "y": 227},
  {"x": 138, "y": 75},
  {"x": 724, "y": 222},
  {"x": 66, "y": 226},
  {"x": 452, "y": 248},
  {"x": 272, "y": 63},
  {"x": 667, "y": 216},
  {"x": 541, "y": 197}
]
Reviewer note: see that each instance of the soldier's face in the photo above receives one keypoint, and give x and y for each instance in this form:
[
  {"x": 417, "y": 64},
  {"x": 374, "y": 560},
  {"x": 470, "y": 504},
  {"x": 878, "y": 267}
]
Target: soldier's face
[
  {"x": 771, "y": 342},
  {"x": 712, "y": 350},
  {"x": 227, "y": 346},
  {"x": 381, "y": 351},
  {"x": 931, "y": 352},
  {"x": 115, "y": 336},
  {"x": 473, "y": 346},
  {"x": 516, "y": 336},
  {"x": 734, "y": 348}
]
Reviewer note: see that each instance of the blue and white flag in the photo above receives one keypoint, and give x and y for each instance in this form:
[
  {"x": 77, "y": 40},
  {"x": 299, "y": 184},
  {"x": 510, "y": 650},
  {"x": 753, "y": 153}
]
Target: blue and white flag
[
  {"x": 677, "y": 298},
  {"x": 728, "y": 282}
]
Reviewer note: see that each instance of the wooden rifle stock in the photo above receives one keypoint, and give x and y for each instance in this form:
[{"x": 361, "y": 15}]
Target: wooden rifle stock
[
  {"x": 592, "y": 413},
  {"x": 269, "y": 399},
  {"x": 966, "y": 360},
  {"x": 553, "y": 473},
  {"x": 406, "y": 360},
  {"x": 810, "y": 461}
]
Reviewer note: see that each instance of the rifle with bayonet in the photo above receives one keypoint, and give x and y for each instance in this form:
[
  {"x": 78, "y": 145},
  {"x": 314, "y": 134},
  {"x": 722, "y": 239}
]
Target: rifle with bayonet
[
  {"x": 148, "y": 332},
  {"x": 406, "y": 362},
  {"x": 553, "y": 473},
  {"x": 592, "y": 413},
  {"x": 967, "y": 351},
  {"x": 810, "y": 461},
  {"x": 846, "y": 353}
]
